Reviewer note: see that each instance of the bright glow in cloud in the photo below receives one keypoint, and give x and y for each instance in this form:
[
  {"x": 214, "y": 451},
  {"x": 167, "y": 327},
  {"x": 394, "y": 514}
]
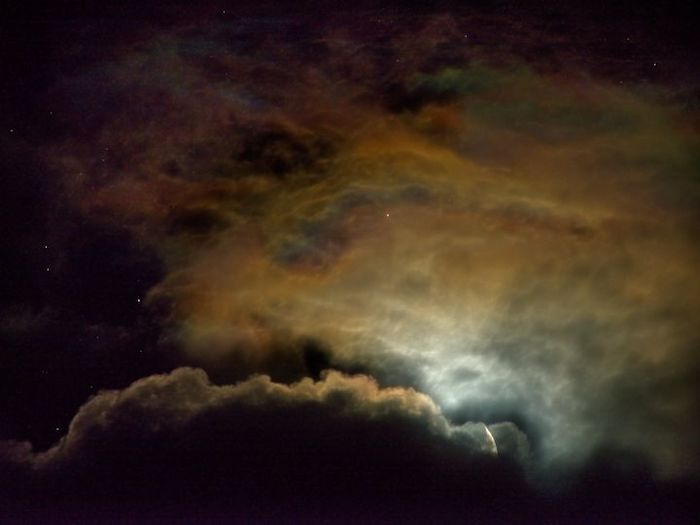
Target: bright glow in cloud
[{"x": 513, "y": 242}]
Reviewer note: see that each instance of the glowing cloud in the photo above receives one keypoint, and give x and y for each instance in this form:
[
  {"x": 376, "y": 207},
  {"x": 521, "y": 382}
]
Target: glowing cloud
[{"x": 510, "y": 241}]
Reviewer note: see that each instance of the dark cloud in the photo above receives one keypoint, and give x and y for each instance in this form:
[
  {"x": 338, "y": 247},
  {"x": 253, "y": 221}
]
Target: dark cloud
[
  {"x": 341, "y": 448},
  {"x": 310, "y": 447}
]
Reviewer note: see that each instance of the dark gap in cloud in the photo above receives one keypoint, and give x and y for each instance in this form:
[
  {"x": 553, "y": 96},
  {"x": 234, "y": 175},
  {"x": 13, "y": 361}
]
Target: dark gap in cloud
[
  {"x": 317, "y": 357},
  {"x": 282, "y": 152},
  {"x": 196, "y": 221},
  {"x": 285, "y": 360},
  {"x": 399, "y": 97}
]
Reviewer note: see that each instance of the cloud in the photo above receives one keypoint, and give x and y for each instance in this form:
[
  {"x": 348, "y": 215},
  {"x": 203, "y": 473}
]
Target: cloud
[
  {"x": 176, "y": 445},
  {"x": 172, "y": 401},
  {"x": 340, "y": 439},
  {"x": 516, "y": 241}
]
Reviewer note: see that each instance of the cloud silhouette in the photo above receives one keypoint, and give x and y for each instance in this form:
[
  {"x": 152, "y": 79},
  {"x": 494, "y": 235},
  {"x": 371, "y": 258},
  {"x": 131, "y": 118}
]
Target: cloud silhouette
[{"x": 339, "y": 440}]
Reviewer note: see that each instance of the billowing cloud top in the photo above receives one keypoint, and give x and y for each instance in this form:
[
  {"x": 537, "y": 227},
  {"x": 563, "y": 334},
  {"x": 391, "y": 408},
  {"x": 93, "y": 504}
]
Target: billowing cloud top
[
  {"x": 166, "y": 403},
  {"x": 339, "y": 438}
]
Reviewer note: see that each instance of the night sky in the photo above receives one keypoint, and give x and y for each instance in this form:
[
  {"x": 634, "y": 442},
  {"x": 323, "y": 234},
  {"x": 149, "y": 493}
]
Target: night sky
[{"x": 313, "y": 262}]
